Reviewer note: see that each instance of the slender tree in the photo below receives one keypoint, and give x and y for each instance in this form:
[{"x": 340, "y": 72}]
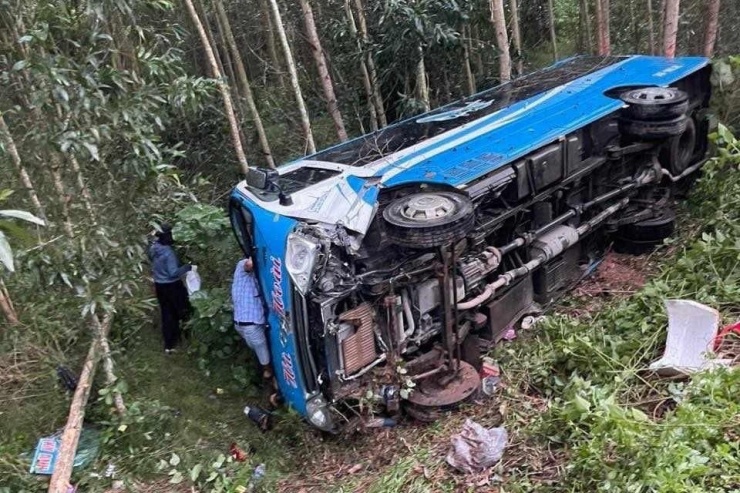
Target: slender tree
[
  {"x": 516, "y": 36},
  {"x": 710, "y": 29},
  {"x": 377, "y": 94},
  {"x": 651, "y": 27},
  {"x": 15, "y": 158},
  {"x": 246, "y": 87},
  {"x": 553, "y": 36},
  {"x": 222, "y": 87},
  {"x": 305, "y": 122},
  {"x": 422, "y": 81},
  {"x": 498, "y": 20},
  {"x": 469, "y": 78},
  {"x": 670, "y": 31},
  {"x": 585, "y": 26},
  {"x": 326, "y": 83},
  {"x": 272, "y": 52},
  {"x": 602, "y": 27},
  {"x": 366, "y": 82},
  {"x": 6, "y": 305}
]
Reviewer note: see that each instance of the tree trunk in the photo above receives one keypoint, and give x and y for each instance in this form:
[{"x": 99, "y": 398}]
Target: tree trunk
[
  {"x": 245, "y": 85},
  {"x": 585, "y": 24},
  {"x": 466, "y": 61},
  {"x": 422, "y": 89},
  {"x": 323, "y": 69},
  {"x": 651, "y": 28},
  {"x": 602, "y": 27},
  {"x": 7, "y": 138},
  {"x": 6, "y": 305},
  {"x": 480, "y": 65},
  {"x": 71, "y": 436},
  {"x": 670, "y": 31},
  {"x": 228, "y": 104},
  {"x": 516, "y": 35},
  {"x": 366, "y": 83},
  {"x": 86, "y": 195},
  {"x": 305, "y": 122},
  {"x": 377, "y": 94},
  {"x": 553, "y": 37},
  {"x": 634, "y": 26},
  {"x": 64, "y": 198},
  {"x": 272, "y": 52},
  {"x": 502, "y": 39},
  {"x": 710, "y": 30}
]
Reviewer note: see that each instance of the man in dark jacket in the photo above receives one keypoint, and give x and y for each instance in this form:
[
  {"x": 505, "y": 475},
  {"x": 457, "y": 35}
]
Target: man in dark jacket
[{"x": 171, "y": 292}]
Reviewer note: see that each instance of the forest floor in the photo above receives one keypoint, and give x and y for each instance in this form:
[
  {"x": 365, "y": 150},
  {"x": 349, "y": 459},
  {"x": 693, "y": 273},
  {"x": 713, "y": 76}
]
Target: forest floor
[{"x": 408, "y": 458}]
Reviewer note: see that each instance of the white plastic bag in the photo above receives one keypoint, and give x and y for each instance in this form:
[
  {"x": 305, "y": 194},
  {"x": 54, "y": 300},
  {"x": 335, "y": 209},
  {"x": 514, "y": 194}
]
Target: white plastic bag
[
  {"x": 476, "y": 448},
  {"x": 192, "y": 281}
]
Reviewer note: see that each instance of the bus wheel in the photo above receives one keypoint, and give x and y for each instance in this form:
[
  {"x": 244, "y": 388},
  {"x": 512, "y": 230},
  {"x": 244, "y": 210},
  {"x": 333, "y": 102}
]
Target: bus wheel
[
  {"x": 428, "y": 219},
  {"x": 678, "y": 151},
  {"x": 643, "y": 236},
  {"x": 654, "y": 103},
  {"x": 654, "y": 130}
]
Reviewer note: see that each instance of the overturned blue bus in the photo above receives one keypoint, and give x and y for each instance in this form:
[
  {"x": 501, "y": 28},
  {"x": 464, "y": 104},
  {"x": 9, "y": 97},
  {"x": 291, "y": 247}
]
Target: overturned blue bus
[{"x": 390, "y": 262}]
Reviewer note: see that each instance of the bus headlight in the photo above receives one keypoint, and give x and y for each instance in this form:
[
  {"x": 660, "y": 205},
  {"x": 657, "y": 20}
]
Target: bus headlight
[
  {"x": 317, "y": 413},
  {"x": 300, "y": 259}
]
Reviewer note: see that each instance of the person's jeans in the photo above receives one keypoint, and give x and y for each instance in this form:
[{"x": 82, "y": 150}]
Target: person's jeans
[
  {"x": 173, "y": 305},
  {"x": 254, "y": 335}
]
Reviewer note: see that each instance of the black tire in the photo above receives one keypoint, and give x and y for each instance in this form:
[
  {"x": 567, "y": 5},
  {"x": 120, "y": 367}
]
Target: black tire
[
  {"x": 658, "y": 130},
  {"x": 653, "y": 230},
  {"x": 428, "y": 219},
  {"x": 679, "y": 151},
  {"x": 654, "y": 103}
]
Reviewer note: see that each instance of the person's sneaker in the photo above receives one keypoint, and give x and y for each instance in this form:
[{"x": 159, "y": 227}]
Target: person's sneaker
[{"x": 169, "y": 351}]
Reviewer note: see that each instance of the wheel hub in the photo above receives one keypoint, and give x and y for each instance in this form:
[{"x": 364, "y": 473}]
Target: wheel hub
[
  {"x": 653, "y": 94},
  {"x": 422, "y": 207}
]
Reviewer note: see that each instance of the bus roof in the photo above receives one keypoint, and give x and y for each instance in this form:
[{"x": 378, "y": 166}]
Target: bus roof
[{"x": 463, "y": 141}]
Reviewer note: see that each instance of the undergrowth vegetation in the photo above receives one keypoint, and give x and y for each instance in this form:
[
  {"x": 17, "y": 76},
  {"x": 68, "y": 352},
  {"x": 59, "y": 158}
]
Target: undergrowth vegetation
[{"x": 620, "y": 428}]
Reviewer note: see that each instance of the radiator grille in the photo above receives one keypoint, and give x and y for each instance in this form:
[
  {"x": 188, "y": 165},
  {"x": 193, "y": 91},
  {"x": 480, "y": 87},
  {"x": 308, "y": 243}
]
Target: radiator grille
[{"x": 358, "y": 349}]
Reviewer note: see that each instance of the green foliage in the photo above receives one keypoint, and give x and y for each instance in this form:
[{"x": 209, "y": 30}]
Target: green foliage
[
  {"x": 199, "y": 225},
  {"x": 9, "y": 229},
  {"x": 726, "y": 88},
  {"x": 592, "y": 370}
]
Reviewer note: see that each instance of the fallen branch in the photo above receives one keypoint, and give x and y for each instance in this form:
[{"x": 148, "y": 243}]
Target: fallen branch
[
  {"x": 102, "y": 330},
  {"x": 71, "y": 435}
]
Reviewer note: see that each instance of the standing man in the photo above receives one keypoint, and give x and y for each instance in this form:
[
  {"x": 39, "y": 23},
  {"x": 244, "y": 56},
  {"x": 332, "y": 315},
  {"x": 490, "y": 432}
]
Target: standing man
[
  {"x": 171, "y": 292},
  {"x": 249, "y": 313}
]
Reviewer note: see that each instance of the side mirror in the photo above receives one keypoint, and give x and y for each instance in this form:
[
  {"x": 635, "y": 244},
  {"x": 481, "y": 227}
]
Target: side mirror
[{"x": 261, "y": 178}]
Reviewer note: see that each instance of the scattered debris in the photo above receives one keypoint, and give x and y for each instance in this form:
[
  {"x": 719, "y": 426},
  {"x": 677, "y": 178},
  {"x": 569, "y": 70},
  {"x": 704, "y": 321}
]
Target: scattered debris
[
  {"x": 257, "y": 475},
  {"x": 476, "y": 448},
  {"x": 260, "y": 417},
  {"x": 488, "y": 385},
  {"x": 67, "y": 379},
  {"x": 237, "y": 453},
  {"x": 692, "y": 331},
  {"x": 47, "y": 451},
  {"x": 380, "y": 423},
  {"x": 509, "y": 334},
  {"x": 530, "y": 321}
]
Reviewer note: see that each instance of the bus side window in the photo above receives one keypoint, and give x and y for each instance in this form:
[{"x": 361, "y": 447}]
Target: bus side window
[{"x": 241, "y": 223}]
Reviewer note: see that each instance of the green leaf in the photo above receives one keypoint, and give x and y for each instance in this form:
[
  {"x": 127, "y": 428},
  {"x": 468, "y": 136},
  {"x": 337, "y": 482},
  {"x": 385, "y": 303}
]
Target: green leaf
[
  {"x": 26, "y": 216},
  {"x": 6, "y": 253},
  {"x": 195, "y": 472},
  {"x": 176, "y": 478},
  {"x": 20, "y": 65},
  {"x": 174, "y": 460}
]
